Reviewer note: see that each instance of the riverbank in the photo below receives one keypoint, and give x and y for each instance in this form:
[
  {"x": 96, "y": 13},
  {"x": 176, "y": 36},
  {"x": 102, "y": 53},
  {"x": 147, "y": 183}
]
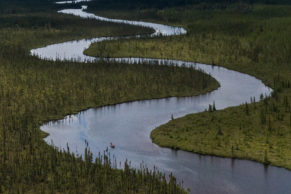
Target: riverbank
[
  {"x": 33, "y": 91},
  {"x": 253, "y": 40}
]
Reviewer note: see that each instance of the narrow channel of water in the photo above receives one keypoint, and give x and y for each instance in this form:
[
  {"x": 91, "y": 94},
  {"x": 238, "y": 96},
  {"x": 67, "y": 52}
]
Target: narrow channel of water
[{"x": 128, "y": 125}]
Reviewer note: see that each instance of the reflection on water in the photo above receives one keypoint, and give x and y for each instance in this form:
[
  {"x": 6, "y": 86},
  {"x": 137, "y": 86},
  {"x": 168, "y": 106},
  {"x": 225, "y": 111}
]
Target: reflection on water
[
  {"x": 70, "y": 2},
  {"x": 128, "y": 125}
]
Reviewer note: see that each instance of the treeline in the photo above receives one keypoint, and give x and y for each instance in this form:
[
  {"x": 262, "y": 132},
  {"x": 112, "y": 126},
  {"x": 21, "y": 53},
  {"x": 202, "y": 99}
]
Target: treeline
[
  {"x": 31, "y": 6},
  {"x": 24, "y": 6},
  {"x": 145, "y": 4},
  {"x": 38, "y": 29}
]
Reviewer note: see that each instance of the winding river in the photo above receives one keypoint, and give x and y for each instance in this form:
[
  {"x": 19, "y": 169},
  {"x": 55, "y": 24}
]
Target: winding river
[{"x": 129, "y": 125}]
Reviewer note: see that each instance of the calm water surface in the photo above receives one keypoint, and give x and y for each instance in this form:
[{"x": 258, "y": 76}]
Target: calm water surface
[{"x": 128, "y": 125}]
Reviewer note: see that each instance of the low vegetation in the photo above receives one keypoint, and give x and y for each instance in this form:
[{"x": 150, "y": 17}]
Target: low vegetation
[
  {"x": 250, "y": 38},
  {"x": 256, "y": 131}
]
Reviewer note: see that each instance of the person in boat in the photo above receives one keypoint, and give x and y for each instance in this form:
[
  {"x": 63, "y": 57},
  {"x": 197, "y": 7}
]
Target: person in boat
[{"x": 112, "y": 145}]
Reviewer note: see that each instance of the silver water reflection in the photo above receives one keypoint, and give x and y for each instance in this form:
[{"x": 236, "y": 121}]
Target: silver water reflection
[
  {"x": 70, "y": 2},
  {"x": 160, "y": 29},
  {"x": 128, "y": 125},
  {"x": 73, "y": 50}
]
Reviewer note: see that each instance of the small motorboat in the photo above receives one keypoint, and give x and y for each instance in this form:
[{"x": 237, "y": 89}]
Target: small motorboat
[{"x": 112, "y": 145}]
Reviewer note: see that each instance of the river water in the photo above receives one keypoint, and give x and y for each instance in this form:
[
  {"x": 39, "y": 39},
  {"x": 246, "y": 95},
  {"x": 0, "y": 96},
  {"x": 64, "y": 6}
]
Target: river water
[{"x": 128, "y": 125}]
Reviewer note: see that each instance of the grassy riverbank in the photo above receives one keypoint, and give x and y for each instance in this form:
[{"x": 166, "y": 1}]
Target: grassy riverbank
[
  {"x": 33, "y": 91},
  {"x": 250, "y": 38}
]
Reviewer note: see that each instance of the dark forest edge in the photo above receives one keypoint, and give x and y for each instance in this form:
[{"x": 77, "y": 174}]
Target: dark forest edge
[
  {"x": 247, "y": 37},
  {"x": 162, "y": 4}
]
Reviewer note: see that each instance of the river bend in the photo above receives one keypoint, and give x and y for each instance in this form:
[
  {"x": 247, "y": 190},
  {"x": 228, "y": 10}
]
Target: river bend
[{"x": 129, "y": 125}]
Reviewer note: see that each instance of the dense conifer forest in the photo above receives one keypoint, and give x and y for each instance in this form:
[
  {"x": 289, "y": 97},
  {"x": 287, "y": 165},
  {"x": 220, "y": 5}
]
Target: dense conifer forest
[{"x": 161, "y": 4}]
